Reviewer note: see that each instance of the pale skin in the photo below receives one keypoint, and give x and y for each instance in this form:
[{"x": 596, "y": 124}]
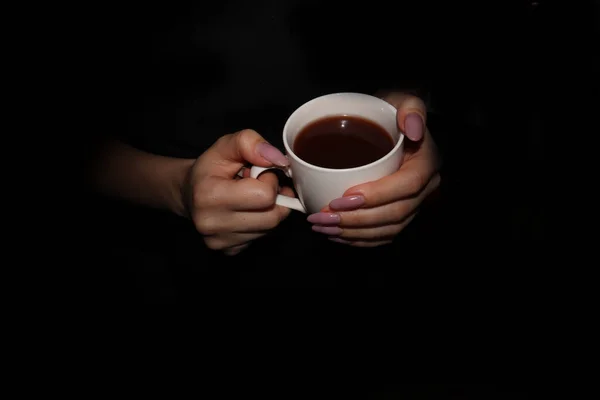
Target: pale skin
[{"x": 230, "y": 212}]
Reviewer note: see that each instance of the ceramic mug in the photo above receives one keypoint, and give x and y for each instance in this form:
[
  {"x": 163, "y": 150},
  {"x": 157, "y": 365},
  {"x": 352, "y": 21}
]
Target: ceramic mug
[{"x": 317, "y": 186}]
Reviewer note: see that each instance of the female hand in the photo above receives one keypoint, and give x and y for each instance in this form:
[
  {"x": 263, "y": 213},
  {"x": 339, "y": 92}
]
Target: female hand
[
  {"x": 229, "y": 212},
  {"x": 373, "y": 213}
]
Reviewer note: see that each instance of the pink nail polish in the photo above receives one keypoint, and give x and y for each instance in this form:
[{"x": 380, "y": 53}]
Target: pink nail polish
[
  {"x": 347, "y": 203},
  {"x": 413, "y": 126},
  {"x": 324, "y": 219},
  {"x": 272, "y": 154},
  {"x": 327, "y": 230}
]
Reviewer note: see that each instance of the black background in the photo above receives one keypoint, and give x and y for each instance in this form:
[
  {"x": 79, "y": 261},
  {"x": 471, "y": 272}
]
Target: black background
[{"x": 492, "y": 70}]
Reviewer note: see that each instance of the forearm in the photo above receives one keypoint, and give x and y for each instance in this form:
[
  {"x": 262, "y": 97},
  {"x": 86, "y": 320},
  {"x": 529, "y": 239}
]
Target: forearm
[{"x": 122, "y": 171}]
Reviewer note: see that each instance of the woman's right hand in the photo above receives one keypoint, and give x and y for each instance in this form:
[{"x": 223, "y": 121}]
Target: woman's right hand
[{"x": 230, "y": 212}]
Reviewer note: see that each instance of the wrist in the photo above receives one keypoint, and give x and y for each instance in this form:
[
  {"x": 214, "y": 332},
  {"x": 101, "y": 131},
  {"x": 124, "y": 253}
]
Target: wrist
[{"x": 179, "y": 172}]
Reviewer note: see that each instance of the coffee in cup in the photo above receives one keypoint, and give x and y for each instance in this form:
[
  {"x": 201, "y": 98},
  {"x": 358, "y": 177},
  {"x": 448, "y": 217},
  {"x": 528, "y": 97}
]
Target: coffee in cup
[{"x": 335, "y": 142}]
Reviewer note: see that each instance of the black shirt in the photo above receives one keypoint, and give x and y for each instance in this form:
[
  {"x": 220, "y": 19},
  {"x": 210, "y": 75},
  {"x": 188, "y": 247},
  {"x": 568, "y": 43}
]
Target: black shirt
[
  {"x": 188, "y": 75},
  {"x": 181, "y": 76}
]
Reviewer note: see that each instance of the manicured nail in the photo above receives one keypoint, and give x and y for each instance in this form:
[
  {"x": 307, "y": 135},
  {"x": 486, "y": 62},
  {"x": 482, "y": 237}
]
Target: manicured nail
[
  {"x": 347, "y": 203},
  {"x": 413, "y": 126},
  {"x": 272, "y": 154},
  {"x": 324, "y": 219},
  {"x": 327, "y": 230}
]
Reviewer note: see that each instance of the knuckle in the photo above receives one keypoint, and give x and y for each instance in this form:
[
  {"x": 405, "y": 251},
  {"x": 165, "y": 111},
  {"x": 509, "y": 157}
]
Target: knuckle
[
  {"x": 245, "y": 136},
  {"x": 198, "y": 199},
  {"x": 401, "y": 210},
  {"x": 205, "y": 224},
  {"x": 215, "y": 243},
  {"x": 265, "y": 196},
  {"x": 271, "y": 220},
  {"x": 207, "y": 195},
  {"x": 354, "y": 218},
  {"x": 415, "y": 182},
  {"x": 246, "y": 132},
  {"x": 223, "y": 139},
  {"x": 199, "y": 195}
]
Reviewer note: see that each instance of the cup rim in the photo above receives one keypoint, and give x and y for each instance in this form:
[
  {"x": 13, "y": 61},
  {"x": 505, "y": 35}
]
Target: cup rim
[{"x": 290, "y": 153}]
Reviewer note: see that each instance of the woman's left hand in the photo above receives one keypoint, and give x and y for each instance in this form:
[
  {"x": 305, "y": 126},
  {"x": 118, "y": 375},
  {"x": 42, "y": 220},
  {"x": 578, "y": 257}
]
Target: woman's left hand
[{"x": 373, "y": 213}]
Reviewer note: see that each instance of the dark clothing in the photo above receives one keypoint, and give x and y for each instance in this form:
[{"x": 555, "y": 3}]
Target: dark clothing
[
  {"x": 190, "y": 75},
  {"x": 182, "y": 77}
]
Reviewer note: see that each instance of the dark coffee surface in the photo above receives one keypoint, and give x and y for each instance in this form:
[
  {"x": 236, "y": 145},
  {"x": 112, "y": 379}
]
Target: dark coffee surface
[{"x": 342, "y": 141}]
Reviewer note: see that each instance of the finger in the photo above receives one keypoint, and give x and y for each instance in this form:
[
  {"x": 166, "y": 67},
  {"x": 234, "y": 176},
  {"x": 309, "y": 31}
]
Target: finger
[
  {"x": 216, "y": 223},
  {"x": 387, "y": 214},
  {"x": 231, "y": 241},
  {"x": 246, "y": 194},
  {"x": 231, "y": 152},
  {"x": 287, "y": 191},
  {"x": 253, "y": 221},
  {"x": 359, "y": 243},
  {"x": 267, "y": 177},
  {"x": 260, "y": 220},
  {"x": 410, "y": 180},
  {"x": 377, "y": 233},
  {"x": 244, "y": 173},
  {"x": 236, "y": 249},
  {"x": 390, "y": 213},
  {"x": 412, "y": 114},
  {"x": 237, "y": 195},
  {"x": 270, "y": 178}
]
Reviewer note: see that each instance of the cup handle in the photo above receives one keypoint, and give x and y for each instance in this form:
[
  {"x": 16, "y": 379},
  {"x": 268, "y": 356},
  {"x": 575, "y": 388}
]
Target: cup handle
[{"x": 289, "y": 202}]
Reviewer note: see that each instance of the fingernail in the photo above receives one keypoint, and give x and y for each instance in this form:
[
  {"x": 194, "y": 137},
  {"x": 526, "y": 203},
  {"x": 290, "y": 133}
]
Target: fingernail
[
  {"x": 272, "y": 154},
  {"x": 328, "y": 230},
  {"x": 324, "y": 219},
  {"x": 413, "y": 126},
  {"x": 347, "y": 203}
]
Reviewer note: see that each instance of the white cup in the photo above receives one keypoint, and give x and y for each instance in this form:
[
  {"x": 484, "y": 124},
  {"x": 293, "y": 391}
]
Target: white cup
[{"x": 317, "y": 186}]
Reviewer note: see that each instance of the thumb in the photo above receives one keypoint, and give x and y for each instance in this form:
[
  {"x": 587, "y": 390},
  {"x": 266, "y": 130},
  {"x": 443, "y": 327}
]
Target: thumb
[
  {"x": 232, "y": 152},
  {"x": 412, "y": 114}
]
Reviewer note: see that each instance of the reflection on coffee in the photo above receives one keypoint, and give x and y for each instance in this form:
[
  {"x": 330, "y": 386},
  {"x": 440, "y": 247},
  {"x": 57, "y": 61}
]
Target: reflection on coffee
[{"x": 342, "y": 141}]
